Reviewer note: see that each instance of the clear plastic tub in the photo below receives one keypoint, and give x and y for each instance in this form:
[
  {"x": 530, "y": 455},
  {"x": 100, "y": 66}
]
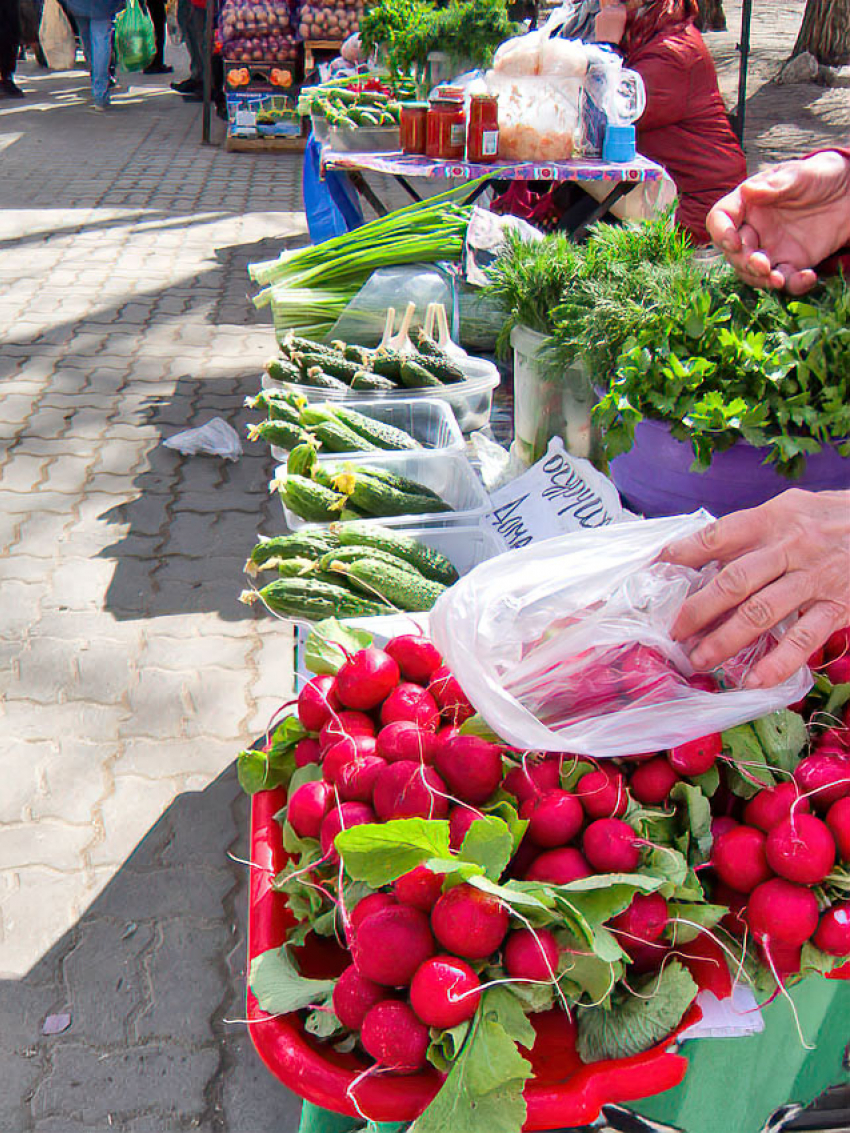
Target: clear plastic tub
[
  {"x": 428, "y": 420},
  {"x": 449, "y": 474},
  {"x": 471, "y": 400},
  {"x": 464, "y": 547},
  {"x": 365, "y": 139}
]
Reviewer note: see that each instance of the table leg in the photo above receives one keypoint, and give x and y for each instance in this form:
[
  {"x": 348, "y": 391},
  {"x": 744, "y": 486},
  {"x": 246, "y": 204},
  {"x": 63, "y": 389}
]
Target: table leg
[
  {"x": 576, "y": 220},
  {"x": 408, "y": 188},
  {"x": 367, "y": 192}
]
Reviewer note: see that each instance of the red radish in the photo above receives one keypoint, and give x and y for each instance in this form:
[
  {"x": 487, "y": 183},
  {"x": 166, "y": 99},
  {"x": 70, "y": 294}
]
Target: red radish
[
  {"x": 826, "y": 775},
  {"x": 389, "y": 945},
  {"x": 785, "y": 958},
  {"x": 739, "y": 859},
  {"x": 651, "y": 782},
  {"x": 367, "y": 678},
  {"x": 450, "y": 697},
  {"x": 558, "y": 867},
  {"x": 342, "y": 817},
  {"x": 356, "y": 779},
  {"x": 554, "y": 818},
  {"x": 405, "y": 740},
  {"x": 720, "y": 825},
  {"x": 833, "y": 932},
  {"x": 394, "y": 1037},
  {"x": 308, "y": 807},
  {"x": 354, "y": 996},
  {"x": 343, "y": 724},
  {"x": 415, "y": 656},
  {"x": 472, "y": 767},
  {"x": 344, "y": 751},
  {"x": 780, "y": 910},
  {"x": 442, "y": 736},
  {"x": 816, "y": 659},
  {"x": 445, "y": 992},
  {"x": 408, "y": 701},
  {"x": 610, "y": 845},
  {"x": 602, "y": 793},
  {"x": 801, "y": 849},
  {"x": 838, "y": 821},
  {"x": 532, "y": 955},
  {"x": 307, "y": 751},
  {"x": 838, "y": 671},
  {"x": 532, "y": 778},
  {"x": 837, "y": 644},
  {"x": 768, "y": 808},
  {"x": 644, "y": 920},
  {"x": 365, "y": 907},
  {"x": 460, "y": 820},
  {"x": 317, "y": 702},
  {"x": 647, "y": 956},
  {"x": 836, "y": 739},
  {"x": 724, "y": 894},
  {"x": 697, "y": 756},
  {"x": 468, "y": 922},
  {"x": 420, "y": 888},
  {"x": 409, "y": 790},
  {"x": 705, "y": 682}
]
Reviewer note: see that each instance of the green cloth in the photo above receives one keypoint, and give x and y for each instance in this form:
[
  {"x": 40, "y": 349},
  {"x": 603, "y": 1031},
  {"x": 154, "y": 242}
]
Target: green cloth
[{"x": 732, "y": 1085}]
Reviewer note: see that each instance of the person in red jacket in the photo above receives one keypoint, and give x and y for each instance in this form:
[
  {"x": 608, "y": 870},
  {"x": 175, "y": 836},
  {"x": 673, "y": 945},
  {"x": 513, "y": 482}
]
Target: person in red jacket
[{"x": 684, "y": 127}]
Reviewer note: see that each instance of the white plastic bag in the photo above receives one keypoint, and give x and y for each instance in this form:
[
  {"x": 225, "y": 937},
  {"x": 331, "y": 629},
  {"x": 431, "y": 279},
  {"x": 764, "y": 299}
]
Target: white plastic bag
[
  {"x": 565, "y": 645},
  {"x": 56, "y": 37},
  {"x": 215, "y": 438}
]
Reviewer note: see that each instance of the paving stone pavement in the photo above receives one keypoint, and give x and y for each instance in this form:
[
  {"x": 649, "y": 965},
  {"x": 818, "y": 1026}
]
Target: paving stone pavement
[{"x": 129, "y": 673}]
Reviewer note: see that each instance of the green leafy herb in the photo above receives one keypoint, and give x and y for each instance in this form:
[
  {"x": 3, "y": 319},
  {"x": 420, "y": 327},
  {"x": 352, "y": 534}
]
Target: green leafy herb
[{"x": 637, "y": 1022}]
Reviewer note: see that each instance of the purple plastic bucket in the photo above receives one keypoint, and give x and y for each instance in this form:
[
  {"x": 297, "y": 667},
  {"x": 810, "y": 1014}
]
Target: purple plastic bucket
[{"x": 654, "y": 476}]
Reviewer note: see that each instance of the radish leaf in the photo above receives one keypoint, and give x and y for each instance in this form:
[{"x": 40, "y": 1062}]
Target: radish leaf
[
  {"x": 328, "y": 644},
  {"x": 637, "y": 1022},
  {"x": 378, "y": 853},
  {"x": 280, "y": 988},
  {"x": 489, "y": 843}
]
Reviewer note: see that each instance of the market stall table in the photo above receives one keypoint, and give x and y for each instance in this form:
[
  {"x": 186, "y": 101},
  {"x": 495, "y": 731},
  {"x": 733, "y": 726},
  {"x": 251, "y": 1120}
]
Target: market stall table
[{"x": 623, "y": 177}]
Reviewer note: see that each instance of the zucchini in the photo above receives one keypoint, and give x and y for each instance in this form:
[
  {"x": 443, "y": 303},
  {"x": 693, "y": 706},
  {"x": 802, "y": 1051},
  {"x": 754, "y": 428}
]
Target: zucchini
[
  {"x": 403, "y": 588},
  {"x": 345, "y": 555},
  {"x": 387, "y": 363},
  {"x": 415, "y": 376},
  {"x": 426, "y": 560},
  {"x": 281, "y": 433},
  {"x": 381, "y": 435},
  {"x": 317, "y": 378},
  {"x": 365, "y": 380},
  {"x": 337, "y": 437},
  {"x": 309, "y": 499},
  {"x": 282, "y": 370},
  {"x": 310, "y": 542},
  {"x": 312, "y": 599}
]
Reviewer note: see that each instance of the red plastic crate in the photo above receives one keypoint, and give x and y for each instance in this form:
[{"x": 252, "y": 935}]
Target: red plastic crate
[{"x": 564, "y": 1091}]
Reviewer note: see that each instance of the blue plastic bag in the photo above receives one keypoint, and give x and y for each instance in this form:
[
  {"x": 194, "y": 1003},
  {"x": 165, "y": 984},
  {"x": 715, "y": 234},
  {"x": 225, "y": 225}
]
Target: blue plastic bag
[{"x": 331, "y": 204}]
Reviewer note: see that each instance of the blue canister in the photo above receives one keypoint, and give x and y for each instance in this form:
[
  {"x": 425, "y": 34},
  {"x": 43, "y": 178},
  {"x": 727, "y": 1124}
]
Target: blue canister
[{"x": 619, "y": 143}]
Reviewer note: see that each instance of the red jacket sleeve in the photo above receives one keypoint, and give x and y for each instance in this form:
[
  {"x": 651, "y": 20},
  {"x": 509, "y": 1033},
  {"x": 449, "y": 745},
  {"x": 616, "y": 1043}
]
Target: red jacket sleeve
[{"x": 667, "y": 84}]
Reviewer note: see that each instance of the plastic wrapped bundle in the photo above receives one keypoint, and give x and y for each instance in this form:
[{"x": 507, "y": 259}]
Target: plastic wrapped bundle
[{"x": 538, "y": 117}]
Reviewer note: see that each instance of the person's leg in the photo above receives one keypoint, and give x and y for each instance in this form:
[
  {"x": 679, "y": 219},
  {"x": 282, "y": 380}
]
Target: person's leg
[
  {"x": 157, "y": 65},
  {"x": 101, "y": 52},
  {"x": 197, "y": 46},
  {"x": 10, "y": 42},
  {"x": 84, "y": 32}
]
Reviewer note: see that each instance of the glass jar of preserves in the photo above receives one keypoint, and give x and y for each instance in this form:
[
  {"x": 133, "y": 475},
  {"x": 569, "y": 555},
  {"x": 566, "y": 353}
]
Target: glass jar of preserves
[
  {"x": 413, "y": 126},
  {"x": 446, "y": 134},
  {"x": 482, "y": 137}
]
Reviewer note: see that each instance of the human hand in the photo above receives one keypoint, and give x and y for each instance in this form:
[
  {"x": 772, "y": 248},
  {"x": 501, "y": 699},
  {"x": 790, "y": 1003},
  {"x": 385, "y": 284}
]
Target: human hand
[
  {"x": 610, "y": 25},
  {"x": 778, "y": 225},
  {"x": 789, "y": 556}
]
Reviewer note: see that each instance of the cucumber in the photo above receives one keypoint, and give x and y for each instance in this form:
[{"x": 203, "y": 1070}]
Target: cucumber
[
  {"x": 302, "y": 460},
  {"x": 359, "y": 354},
  {"x": 275, "y": 407},
  {"x": 310, "y": 500},
  {"x": 310, "y": 543},
  {"x": 381, "y": 435},
  {"x": 415, "y": 376},
  {"x": 337, "y": 437},
  {"x": 312, "y": 599},
  {"x": 345, "y": 555},
  {"x": 282, "y": 370},
  {"x": 341, "y": 367},
  {"x": 403, "y": 484},
  {"x": 317, "y": 378},
  {"x": 296, "y": 568},
  {"x": 437, "y": 361},
  {"x": 387, "y": 363},
  {"x": 364, "y": 380},
  {"x": 378, "y": 498},
  {"x": 426, "y": 560},
  {"x": 281, "y": 433},
  {"x": 401, "y": 587},
  {"x": 298, "y": 345}
]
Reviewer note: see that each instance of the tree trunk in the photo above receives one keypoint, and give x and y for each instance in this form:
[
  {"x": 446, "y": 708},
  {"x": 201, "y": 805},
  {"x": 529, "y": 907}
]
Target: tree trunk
[
  {"x": 711, "y": 16},
  {"x": 825, "y": 31}
]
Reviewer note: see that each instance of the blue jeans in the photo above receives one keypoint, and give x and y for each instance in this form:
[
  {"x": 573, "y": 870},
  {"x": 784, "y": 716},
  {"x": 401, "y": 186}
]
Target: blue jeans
[{"x": 96, "y": 37}]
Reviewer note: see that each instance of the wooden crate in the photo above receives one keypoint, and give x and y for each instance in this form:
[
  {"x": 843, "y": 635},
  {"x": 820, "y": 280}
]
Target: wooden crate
[{"x": 264, "y": 145}]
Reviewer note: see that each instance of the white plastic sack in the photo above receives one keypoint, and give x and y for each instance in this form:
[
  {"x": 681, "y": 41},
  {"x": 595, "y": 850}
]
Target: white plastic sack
[
  {"x": 215, "y": 438},
  {"x": 565, "y": 645},
  {"x": 56, "y": 37}
]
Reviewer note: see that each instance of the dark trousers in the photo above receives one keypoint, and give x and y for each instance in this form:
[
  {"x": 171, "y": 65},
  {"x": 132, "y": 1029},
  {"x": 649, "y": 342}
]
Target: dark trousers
[
  {"x": 156, "y": 10},
  {"x": 10, "y": 37}
]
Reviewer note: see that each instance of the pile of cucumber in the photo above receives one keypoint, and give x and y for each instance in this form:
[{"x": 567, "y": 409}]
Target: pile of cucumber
[
  {"x": 291, "y": 420},
  {"x": 341, "y": 367},
  {"x": 349, "y": 109},
  {"x": 321, "y": 492},
  {"x": 348, "y": 570}
]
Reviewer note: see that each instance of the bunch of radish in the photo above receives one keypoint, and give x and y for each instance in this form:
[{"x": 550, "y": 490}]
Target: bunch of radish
[{"x": 386, "y": 736}]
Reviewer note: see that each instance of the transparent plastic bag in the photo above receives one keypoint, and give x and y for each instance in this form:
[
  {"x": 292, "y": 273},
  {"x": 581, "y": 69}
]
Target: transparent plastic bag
[
  {"x": 364, "y": 318},
  {"x": 565, "y": 646},
  {"x": 215, "y": 438}
]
